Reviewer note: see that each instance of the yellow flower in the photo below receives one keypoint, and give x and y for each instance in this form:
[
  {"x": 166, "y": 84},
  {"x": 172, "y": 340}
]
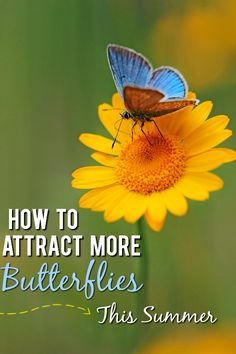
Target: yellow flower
[
  {"x": 217, "y": 341},
  {"x": 138, "y": 178}
]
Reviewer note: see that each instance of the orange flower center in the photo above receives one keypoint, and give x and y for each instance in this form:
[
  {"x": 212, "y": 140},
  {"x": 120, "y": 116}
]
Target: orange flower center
[{"x": 146, "y": 168}]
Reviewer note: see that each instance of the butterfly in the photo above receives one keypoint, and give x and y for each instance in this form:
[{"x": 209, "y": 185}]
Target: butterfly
[{"x": 147, "y": 93}]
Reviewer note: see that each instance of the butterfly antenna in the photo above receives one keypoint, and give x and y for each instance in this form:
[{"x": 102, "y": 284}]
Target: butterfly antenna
[
  {"x": 113, "y": 109},
  {"x": 114, "y": 141}
]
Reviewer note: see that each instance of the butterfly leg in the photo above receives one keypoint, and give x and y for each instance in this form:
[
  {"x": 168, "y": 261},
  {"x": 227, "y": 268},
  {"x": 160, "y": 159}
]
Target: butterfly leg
[
  {"x": 141, "y": 127},
  {"x": 132, "y": 129},
  {"x": 152, "y": 120}
]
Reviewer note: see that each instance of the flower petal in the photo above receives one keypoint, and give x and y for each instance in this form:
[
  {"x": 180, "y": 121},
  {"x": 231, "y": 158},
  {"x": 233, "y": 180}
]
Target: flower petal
[
  {"x": 202, "y": 143},
  {"x": 106, "y": 198},
  {"x": 191, "y": 189},
  {"x": 210, "y": 160},
  {"x": 114, "y": 123},
  {"x": 198, "y": 115},
  {"x": 117, "y": 101},
  {"x": 101, "y": 199},
  {"x": 100, "y": 143},
  {"x": 208, "y": 180},
  {"x": 172, "y": 123},
  {"x": 93, "y": 177},
  {"x": 109, "y": 116},
  {"x": 175, "y": 201},
  {"x": 136, "y": 206},
  {"x": 156, "y": 207},
  {"x": 89, "y": 198},
  {"x": 191, "y": 95},
  {"x": 186, "y": 120},
  {"x": 117, "y": 209},
  {"x": 208, "y": 135},
  {"x": 216, "y": 123},
  {"x": 104, "y": 159},
  {"x": 153, "y": 223}
]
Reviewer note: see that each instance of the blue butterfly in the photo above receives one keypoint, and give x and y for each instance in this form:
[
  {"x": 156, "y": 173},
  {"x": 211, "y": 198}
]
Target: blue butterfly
[{"x": 146, "y": 93}]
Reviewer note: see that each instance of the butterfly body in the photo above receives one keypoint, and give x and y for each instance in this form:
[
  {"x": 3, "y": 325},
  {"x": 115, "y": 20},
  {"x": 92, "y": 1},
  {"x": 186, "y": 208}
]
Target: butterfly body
[{"x": 143, "y": 116}]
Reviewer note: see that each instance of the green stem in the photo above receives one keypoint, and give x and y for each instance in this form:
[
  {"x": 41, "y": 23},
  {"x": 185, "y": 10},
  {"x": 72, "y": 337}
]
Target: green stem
[
  {"x": 141, "y": 296},
  {"x": 143, "y": 268}
]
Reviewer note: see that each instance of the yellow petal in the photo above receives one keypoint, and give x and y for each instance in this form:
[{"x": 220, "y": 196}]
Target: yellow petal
[
  {"x": 202, "y": 143},
  {"x": 175, "y": 201},
  {"x": 207, "y": 135},
  {"x": 184, "y": 121},
  {"x": 117, "y": 209},
  {"x": 107, "y": 198},
  {"x": 115, "y": 201},
  {"x": 136, "y": 206},
  {"x": 191, "y": 95},
  {"x": 117, "y": 101},
  {"x": 91, "y": 197},
  {"x": 191, "y": 189},
  {"x": 93, "y": 177},
  {"x": 109, "y": 117},
  {"x": 189, "y": 118},
  {"x": 156, "y": 207},
  {"x": 114, "y": 123},
  {"x": 210, "y": 160},
  {"x": 207, "y": 180},
  {"x": 216, "y": 123},
  {"x": 100, "y": 143},
  {"x": 173, "y": 123},
  {"x": 104, "y": 159},
  {"x": 101, "y": 199},
  {"x": 153, "y": 223},
  {"x": 198, "y": 115}
]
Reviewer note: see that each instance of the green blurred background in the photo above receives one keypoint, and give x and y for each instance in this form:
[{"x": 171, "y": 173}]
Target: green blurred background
[{"x": 54, "y": 73}]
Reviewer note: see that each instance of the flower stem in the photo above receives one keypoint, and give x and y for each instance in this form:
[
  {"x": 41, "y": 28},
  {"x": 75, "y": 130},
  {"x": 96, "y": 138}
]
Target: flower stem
[
  {"x": 143, "y": 268},
  {"x": 141, "y": 296}
]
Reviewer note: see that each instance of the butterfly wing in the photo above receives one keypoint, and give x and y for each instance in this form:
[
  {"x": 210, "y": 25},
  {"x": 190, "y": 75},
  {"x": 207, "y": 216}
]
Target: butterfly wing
[
  {"x": 142, "y": 89},
  {"x": 172, "y": 106},
  {"x": 128, "y": 67},
  {"x": 149, "y": 101},
  {"x": 169, "y": 81},
  {"x": 141, "y": 100}
]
